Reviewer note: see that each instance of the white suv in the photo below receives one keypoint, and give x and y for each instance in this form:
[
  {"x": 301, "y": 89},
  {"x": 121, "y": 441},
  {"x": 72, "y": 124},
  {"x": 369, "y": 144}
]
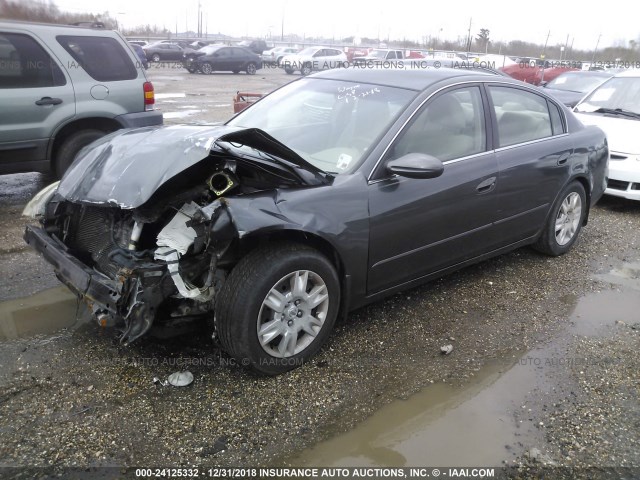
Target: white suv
[
  {"x": 615, "y": 107},
  {"x": 314, "y": 58}
]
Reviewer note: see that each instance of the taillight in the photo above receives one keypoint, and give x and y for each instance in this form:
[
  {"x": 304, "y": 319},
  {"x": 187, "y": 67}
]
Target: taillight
[{"x": 149, "y": 96}]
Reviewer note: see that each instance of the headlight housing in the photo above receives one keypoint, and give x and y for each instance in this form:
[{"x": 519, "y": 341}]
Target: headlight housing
[{"x": 35, "y": 207}]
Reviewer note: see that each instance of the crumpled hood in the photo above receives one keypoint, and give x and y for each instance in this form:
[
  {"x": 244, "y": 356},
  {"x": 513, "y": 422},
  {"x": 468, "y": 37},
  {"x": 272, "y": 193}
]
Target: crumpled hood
[
  {"x": 125, "y": 168},
  {"x": 623, "y": 134}
]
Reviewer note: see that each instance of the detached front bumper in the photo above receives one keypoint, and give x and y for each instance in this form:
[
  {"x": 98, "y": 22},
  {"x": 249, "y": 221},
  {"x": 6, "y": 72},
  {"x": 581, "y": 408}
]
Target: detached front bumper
[
  {"x": 82, "y": 280},
  {"x": 131, "y": 299}
]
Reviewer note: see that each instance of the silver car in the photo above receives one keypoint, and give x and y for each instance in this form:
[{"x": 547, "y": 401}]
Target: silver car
[
  {"x": 314, "y": 58},
  {"x": 63, "y": 87}
]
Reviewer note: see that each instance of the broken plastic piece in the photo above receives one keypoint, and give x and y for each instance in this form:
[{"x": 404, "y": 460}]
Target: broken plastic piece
[{"x": 181, "y": 379}]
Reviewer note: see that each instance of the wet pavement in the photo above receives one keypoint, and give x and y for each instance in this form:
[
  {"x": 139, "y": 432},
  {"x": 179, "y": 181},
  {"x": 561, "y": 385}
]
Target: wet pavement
[{"x": 379, "y": 393}]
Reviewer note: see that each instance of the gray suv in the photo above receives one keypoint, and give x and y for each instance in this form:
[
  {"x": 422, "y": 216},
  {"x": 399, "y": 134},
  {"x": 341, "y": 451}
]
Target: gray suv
[{"x": 61, "y": 88}]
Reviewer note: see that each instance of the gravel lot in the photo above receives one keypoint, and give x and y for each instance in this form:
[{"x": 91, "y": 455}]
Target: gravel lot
[{"x": 75, "y": 397}]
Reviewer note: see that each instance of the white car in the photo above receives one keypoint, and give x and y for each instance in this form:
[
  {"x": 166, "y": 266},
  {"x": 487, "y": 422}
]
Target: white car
[
  {"x": 614, "y": 106},
  {"x": 314, "y": 58},
  {"x": 275, "y": 55}
]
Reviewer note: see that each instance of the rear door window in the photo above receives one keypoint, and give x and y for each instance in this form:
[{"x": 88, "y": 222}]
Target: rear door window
[
  {"x": 522, "y": 116},
  {"x": 25, "y": 64},
  {"x": 103, "y": 58}
]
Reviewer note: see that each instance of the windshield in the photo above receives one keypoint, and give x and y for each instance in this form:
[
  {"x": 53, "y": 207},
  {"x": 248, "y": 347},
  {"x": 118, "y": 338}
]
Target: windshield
[
  {"x": 208, "y": 50},
  {"x": 331, "y": 124},
  {"x": 576, "y": 82},
  {"x": 618, "y": 93},
  {"x": 309, "y": 51}
]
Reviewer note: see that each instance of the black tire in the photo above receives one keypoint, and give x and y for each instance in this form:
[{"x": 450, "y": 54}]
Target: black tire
[
  {"x": 306, "y": 69},
  {"x": 251, "y": 68},
  {"x": 192, "y": 70},
  {"x": 288, "y": 70},
  {"x": 278, "y": 60},
  {"x": 155, "y": 57},
  {"x": 206, "y": 68},
  {"x": 71, "y": 146},
  {"x": 559, "y": 233},
  {"x": 240, "y": 304}
]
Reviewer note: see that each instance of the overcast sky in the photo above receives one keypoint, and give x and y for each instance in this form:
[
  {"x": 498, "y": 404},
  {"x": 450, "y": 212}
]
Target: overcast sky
[{"x": 529, "y": 20}]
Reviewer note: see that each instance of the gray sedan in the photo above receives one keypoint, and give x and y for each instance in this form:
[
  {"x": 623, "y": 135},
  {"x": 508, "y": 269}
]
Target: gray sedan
[{"x": 332, "y": 192}]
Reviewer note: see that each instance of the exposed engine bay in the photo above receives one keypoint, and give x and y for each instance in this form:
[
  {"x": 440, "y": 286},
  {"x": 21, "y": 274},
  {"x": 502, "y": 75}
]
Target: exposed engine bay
[{"x": 166, "y": 258}]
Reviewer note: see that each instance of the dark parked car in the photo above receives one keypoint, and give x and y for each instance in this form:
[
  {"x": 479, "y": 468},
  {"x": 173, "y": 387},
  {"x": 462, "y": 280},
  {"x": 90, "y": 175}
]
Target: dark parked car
[
  {"x": 163, "y": 51},
  {"x": 219, "y": 58},
  {"x": 256, "y": 46},
  {"x": 140, "y": 54},
  {"x": 570, "y": 87},
  {"x": 332, "y": 192}
]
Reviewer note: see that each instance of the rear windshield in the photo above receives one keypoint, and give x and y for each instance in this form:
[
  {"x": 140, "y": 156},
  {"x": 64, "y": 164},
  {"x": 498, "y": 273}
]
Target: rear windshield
[{"x": 103, "y": 58}]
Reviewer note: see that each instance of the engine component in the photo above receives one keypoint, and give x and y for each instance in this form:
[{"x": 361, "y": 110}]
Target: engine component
[{"x": 221, "y": 182}]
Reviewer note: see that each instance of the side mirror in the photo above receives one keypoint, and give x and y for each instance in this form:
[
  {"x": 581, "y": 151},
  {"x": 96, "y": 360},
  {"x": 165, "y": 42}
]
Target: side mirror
[{"x": 416, "y": 165}]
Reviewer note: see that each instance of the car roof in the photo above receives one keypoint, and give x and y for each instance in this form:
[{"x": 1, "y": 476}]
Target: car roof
[
  {"x": 592, "y": 73},
  {"x": 44, "y": 27},
  {"x": 412, "y": 79}
]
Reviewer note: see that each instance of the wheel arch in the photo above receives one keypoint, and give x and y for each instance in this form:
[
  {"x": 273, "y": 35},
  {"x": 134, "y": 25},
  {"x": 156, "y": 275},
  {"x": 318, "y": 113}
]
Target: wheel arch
[
  {"x": 254, "y": 240},
  {"x": 108, "y": 125}
]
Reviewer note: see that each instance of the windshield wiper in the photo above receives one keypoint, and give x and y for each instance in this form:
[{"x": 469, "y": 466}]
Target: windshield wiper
[{"x": 618, "y": 111}]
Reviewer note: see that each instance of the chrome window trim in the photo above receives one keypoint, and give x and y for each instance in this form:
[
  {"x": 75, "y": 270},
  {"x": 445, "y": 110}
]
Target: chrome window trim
[
  {"x": 486, "y": 84},
  {"x": 467, "y": 82}
]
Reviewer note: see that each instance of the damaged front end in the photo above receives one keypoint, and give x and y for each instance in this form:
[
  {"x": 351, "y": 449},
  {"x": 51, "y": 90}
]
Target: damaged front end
[
  {"x": 106, "y": 256},
  {"x": 143, "y": 244}
]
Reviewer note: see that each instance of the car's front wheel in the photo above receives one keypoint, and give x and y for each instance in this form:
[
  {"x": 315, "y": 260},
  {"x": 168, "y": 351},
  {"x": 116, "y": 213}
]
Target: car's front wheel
[
  {"x": 565, "y": 222},
  {"x": 206, "y": 68},
  {"x": 277, "y": 307},
  {"x": 155, "y": 57},
  {"x": 251, "y": 69},
  {"x": 306, "y": 69}
]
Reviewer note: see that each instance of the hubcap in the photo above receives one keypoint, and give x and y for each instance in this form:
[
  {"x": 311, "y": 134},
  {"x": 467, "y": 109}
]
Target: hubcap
[
  {"x": 292, "y": 313},
  {"x": 568, "y": 218}
]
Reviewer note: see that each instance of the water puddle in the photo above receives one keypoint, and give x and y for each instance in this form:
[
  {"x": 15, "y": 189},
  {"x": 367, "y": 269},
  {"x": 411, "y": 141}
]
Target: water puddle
[
  {"x": 488, "y": 421},
  {"x": 441, "y": 425},
  {"x": 162, "y": 96},
  {"x": 45, "y": 312},
  {"x": 181, "y": 114}
]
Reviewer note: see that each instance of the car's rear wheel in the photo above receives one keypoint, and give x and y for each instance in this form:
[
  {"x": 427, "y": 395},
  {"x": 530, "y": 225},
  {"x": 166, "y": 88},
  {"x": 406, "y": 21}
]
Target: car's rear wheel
[
  {"x": 278, "y": 60},
  {"x": 71, "y": 146},
  {"x": 277, "y": 307},
  {"x": 565, "y": 222},
  {"x": 306, "y": 69},
  {"x": 251, "y": 69},
  {"x": 288, "y": 70},
  {"x": 192, "y": 70},
  {"x": 155, "y": 57}
]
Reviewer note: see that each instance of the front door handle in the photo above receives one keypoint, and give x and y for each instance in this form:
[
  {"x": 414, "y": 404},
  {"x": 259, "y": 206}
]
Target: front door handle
[
  {"x": 563, "y": 158},
  {"x": 486, "y": 185},
  {"x": 49, "y": 101}
]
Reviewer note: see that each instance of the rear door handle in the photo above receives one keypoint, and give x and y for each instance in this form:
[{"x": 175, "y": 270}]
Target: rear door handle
[
  {"x": 486, "y": 185},
  {"x": 49, "y": 101}
]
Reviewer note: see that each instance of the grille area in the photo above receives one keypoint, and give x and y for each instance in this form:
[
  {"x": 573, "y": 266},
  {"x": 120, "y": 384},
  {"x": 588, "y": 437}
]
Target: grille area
[{"x": 92, "y": 231}]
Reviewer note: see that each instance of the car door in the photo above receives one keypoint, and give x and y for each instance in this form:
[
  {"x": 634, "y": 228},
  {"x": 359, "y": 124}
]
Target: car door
[
  {"x": 174, "y": 52},
  {"x": 420, "y": 226},
  {"x": 534, "y": 157},
  {"x": 238, "y": 59},
  {"x": 36, "y": 96},
  {"x": 222, "y": 59}
]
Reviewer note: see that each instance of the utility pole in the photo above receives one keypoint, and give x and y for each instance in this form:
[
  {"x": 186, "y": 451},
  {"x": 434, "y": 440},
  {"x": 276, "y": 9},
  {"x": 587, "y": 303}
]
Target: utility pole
[
  {"x": 199, "y": 19},
  {"x": 469, "y": 36},
  {"x": 544, "y": 50},
  {"x": 593, "y": 57}
]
